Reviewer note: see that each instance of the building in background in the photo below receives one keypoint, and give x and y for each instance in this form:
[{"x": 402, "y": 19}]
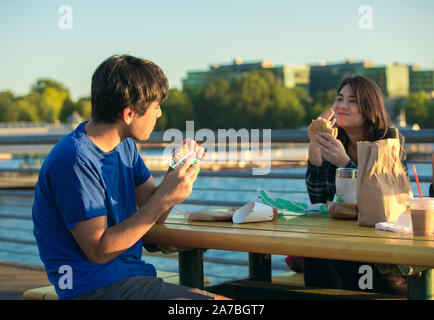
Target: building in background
[
  {"x": 289, "y": 75},
  {"x": 421, "y": 80},
  {"x": 292, "y": 75},
  {"x": 325, "y": 77},
  {"x": 396, "y": 80},
  {"x": 393, "y": 80}
]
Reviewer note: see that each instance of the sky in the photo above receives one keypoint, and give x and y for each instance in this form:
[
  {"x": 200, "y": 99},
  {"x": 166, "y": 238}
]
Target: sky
[{"x": 186, "y": 35}]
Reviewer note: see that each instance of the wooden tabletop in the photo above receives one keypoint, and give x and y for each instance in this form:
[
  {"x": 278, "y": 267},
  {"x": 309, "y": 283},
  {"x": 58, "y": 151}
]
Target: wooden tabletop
[{"x": 316, "y": 236}]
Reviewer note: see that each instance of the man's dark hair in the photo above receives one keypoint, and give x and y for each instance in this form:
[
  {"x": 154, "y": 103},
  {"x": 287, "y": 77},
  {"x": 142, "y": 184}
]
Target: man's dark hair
[{"x": 125, "y": 81}]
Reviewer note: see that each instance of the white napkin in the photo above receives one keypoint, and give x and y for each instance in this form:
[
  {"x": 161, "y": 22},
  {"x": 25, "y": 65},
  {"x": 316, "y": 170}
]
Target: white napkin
[
  {"x": 253, "y": 212},
  {"x": 402, "y": 225}
]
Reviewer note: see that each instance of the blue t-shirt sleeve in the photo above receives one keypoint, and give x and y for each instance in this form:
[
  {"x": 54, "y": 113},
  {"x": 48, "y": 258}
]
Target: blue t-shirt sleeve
[
  {"x": 141, "y": 172},
  {"x": 78, "y": 192}
]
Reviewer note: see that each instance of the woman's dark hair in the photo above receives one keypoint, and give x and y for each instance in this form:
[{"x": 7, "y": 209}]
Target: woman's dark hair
[
  {"x": 125, "y": 81},
  {"x": 369, "y": 100}
]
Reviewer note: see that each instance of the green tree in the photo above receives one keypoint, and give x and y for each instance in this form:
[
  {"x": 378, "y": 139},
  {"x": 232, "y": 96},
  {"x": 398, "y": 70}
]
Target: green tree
[
  {"x": 430, "y": 120},
  {"x": 254, "y": 100},
  {"x": 6, "y": 102},
  {"x": 48, "y": 95},
  {"x": 84, "y": 107},
  {"x": 250, "y": 98},
  {"x": 266, "y": 103},
  {"x": 302, "y": 95},
  {"x": 322, "y": 101},
  {"x": 416, "y": 108},
  {"x": 286, "y": 111},
  {"x": 161, "y": 124},
  {"x": 25, "y": 110},
  {"x": 68, "y": 107},
  {"x": 13, "y": 109},
  {"x": 210, "y": 104},
  {"x": 196, "y": 97},
  {"x": 177, "y": 108}
]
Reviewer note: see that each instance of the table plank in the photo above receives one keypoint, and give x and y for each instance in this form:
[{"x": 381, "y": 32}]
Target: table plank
[
  {"x": 309, "y": 224},
  {"x": 368, "y": 245}
]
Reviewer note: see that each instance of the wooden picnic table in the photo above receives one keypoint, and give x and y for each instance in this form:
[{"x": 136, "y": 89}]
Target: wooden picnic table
[{"x": 316, "y": 236}]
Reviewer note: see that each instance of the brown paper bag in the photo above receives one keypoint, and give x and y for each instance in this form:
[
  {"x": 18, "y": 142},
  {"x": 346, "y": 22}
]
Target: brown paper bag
[{"x": 383, "y": 187}]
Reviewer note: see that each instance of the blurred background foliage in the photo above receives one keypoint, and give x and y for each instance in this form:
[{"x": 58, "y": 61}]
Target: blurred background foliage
[
  {"x": 48, "y": 101},
  {"x": 256, "y": 100}
]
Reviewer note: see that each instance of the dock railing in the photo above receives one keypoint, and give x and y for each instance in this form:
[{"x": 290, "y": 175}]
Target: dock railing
[
  {"x": 282, "y": 136},
  {"x": 424, "y": 136}
]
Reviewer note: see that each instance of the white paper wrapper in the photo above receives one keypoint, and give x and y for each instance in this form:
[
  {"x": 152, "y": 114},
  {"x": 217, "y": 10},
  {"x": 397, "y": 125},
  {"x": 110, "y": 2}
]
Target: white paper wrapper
[
  {"x": 402, "y": 225},
  {"x": 253, "y": 212}
]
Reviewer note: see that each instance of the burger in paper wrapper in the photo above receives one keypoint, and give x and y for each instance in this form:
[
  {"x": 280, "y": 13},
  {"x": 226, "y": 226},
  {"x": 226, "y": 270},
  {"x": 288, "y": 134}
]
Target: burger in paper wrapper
[{"x": 321, "y": 125}]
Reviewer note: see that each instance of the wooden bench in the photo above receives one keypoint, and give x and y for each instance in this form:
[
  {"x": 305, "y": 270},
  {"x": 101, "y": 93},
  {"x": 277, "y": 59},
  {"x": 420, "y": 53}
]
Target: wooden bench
[
  {"x": 289, "y": 278},
  {"x": 295, "y": 281},
  {"x": 49, "y": 293}
]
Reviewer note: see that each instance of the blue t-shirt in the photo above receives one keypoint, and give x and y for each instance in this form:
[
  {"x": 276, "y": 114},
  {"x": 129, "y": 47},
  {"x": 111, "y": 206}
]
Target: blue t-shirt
[{"x": 79, "y": 181}]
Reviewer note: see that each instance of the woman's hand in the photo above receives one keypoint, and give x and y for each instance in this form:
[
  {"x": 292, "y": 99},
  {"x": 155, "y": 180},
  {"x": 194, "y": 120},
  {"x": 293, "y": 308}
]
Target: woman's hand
[
  {"x": 314, "y": 154},
  {"x": 332, "y": 150},
  {"x": 328, "y": 115},
  {"x": 314, "y": 151}
]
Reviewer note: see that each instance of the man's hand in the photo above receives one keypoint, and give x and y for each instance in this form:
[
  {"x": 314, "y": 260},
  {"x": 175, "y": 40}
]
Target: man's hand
[
  {"x": 177, "y": 184},
  {"x": 198, "y": 151},
  {"x": 144, "y": 191},
  {"x": 189, "y": 145}
]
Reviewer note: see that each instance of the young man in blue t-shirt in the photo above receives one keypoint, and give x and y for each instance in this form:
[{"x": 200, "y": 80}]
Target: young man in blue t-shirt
[{"x": 95, "y": 199}]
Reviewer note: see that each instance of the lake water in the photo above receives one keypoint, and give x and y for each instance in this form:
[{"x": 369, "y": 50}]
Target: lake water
[{"x": 206, "y": 188}]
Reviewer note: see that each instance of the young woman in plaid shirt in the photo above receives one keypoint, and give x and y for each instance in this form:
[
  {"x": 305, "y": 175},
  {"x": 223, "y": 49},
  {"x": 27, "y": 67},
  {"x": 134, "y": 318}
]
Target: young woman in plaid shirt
[{"x": 360, "y": 116}]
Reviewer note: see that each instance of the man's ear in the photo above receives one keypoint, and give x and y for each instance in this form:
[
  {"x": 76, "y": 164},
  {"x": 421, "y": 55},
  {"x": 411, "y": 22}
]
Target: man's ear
[{"x": 128, "y": 115}]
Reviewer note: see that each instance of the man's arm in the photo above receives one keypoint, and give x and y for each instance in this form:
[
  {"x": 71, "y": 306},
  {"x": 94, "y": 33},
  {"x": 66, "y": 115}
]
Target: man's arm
[
  {"x": 101, "y": 244},
  {"x": 145, "y": 191}
]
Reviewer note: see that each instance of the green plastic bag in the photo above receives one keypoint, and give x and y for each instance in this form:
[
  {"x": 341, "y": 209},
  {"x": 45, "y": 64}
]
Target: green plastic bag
[{"x": 290, "y": 205}]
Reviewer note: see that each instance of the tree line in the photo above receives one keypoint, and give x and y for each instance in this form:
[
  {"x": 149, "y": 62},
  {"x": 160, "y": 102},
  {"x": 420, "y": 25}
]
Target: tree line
[
  {"x": 48, "y": 101},
  {"x": 255, "y": 100},
  {"x": 419, "y": 108}
]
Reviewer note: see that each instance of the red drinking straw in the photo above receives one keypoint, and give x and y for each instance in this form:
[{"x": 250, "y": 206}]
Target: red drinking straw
[{"x": 417, "y": 181}]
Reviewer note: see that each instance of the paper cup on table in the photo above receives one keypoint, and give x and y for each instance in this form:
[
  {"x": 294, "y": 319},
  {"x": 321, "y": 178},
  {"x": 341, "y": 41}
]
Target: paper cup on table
[
  {"x": 422, "y": 216},
  {"x": 253, "y": 212}
]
